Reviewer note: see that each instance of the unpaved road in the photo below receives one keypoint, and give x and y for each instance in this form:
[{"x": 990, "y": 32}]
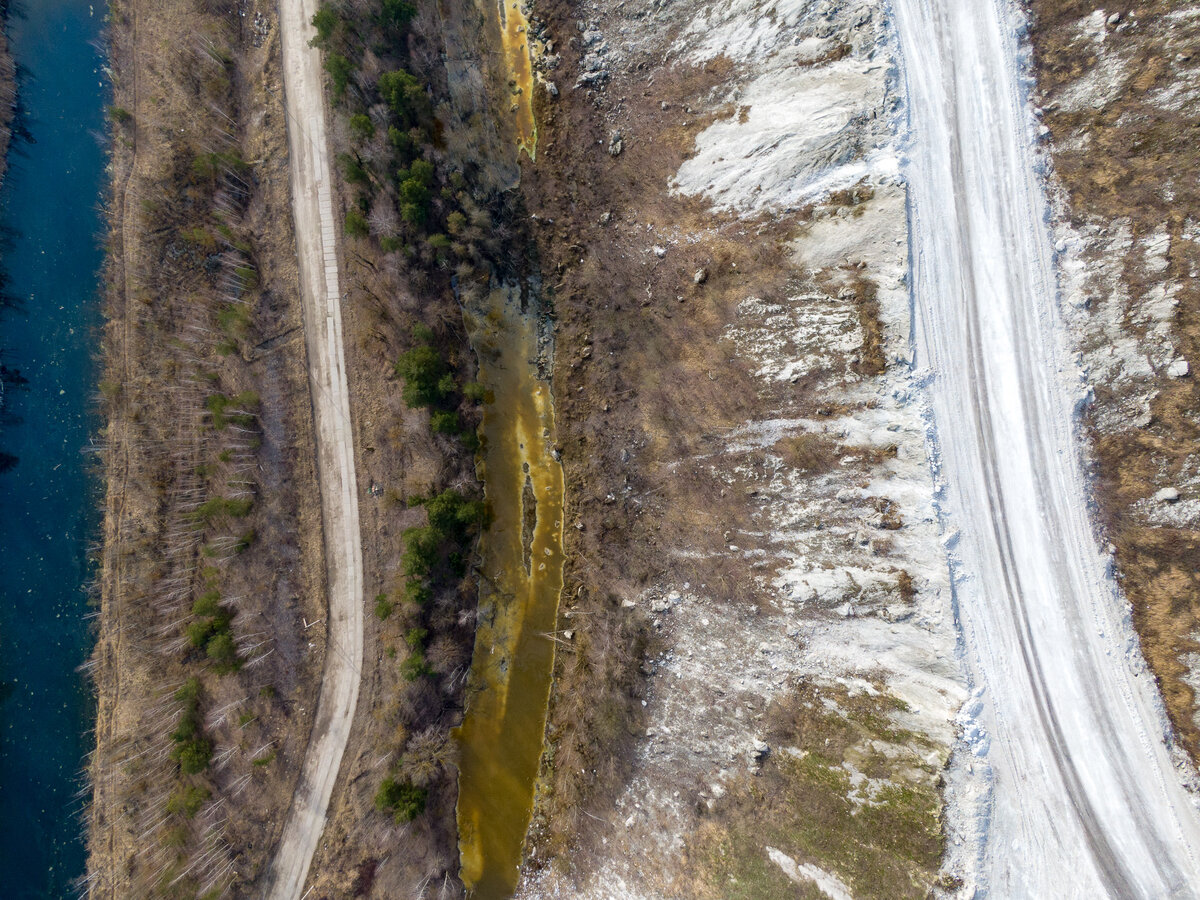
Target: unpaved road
[
  {"x": 1086, "y": 802},
  {"x": 316, "y": 239}
]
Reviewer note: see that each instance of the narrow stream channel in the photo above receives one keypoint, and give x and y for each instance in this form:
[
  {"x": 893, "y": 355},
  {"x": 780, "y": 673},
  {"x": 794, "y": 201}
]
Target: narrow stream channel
[
  {"x": 502, "y": 735},
  {"x": 50, "y": 205}
]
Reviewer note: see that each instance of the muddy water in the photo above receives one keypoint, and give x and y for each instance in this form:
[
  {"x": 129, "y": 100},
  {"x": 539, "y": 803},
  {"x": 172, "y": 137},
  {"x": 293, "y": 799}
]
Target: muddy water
[
  {"x": 502, "y": 735},
  {"x": 514, "y": 37}
]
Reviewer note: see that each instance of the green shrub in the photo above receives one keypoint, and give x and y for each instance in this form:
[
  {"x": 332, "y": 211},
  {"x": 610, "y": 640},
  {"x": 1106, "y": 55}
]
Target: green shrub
[
  {"x": 415, "y": 638},
  {"x": 120, "y": 115},
  {"x": 383, "y": 607},
  {"x": 422, "y": 547},
  {"x": 401, "y": 798},
  {"x": 215, "y": 507},
  {"x": 340, "y": 69},
  {"x": 416, "y": 592},
  {"x": 187, "y": 800},
  {"x": 193, "y": 756},
  {"x": 222, "y": 650},
  {"x": 356, "y": 224},
  {"x": 397, "y": 13},
  {"x": 353, "y": 169},
  {"x": 424, "y": 373},
  {"x": 208, "y": 603},
  {"x": 445, "y": 422},
  {"x": 453, "y": 515},
  {"x": 326, "y": 22},
  {"x": 362, "y": 126},
  {"x": 405, "y": 96},
  {"x": 456, "y": 222},
  {"x": 415, "y": 666}
]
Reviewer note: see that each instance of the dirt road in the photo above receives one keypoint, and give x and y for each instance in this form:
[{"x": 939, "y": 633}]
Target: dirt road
[
  {"x": 316, "y": 239},
  {"x": 1086, "y": 799}
]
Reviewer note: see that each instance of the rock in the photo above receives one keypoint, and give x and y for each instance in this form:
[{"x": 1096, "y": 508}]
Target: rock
[
  {"x": 1114, "y": 19},
  {"x": 551, "y": 88},
  {"x": 1179, "y": 368},
  {"x": 628, "y": 604},
  {"x": 605, "y": 218},
  {"x": 660, "y": 252},
  {"x": 660, "y": 604},
  {"x": 759, "y": 748},
  {"x": 701, "y": 276},
  {"x": 674, "y": 597},
  {"x": 1167, "y": 495},
  {"x": 615, "y": 144}
]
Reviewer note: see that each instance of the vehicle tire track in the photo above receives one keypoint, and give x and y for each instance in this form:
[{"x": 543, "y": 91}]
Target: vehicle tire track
[{"x": 1087, "y": 801}]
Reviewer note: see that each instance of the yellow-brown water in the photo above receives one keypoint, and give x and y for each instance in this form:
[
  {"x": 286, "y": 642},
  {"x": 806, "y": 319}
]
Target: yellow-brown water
[
  {"x": 514, "y": 37},
  {"x": 502, "y": 735}
]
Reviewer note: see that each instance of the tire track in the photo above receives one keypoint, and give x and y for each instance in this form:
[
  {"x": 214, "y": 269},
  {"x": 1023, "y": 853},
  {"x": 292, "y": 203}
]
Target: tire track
[{"x": 1087, "y": 801}]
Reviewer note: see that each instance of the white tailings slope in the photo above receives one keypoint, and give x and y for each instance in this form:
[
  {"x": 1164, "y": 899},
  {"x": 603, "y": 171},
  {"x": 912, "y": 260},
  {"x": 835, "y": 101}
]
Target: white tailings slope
[
  {"x": 1087, "y": 800},
  {"x": 316, "y": 247}
]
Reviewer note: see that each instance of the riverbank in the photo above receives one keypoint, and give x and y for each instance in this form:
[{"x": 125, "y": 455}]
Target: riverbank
[{"x": 211, "y": 634}]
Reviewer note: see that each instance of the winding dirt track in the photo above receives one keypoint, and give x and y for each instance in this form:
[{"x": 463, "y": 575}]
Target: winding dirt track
[
  {"x": 1086, "y": 801},
  {"x": 316, "y": 246}
]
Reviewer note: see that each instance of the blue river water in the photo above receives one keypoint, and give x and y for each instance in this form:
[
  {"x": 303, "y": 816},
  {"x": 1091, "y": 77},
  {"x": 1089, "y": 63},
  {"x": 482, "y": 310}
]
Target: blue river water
[{"x": 50, "y": 205}]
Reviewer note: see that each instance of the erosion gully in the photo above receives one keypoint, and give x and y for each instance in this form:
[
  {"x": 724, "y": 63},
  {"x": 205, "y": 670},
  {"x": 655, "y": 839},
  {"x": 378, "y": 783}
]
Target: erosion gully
[{"x": 49, "y": 211}]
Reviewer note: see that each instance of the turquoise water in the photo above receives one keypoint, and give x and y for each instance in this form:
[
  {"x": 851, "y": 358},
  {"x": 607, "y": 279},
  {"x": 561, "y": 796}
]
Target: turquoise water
[{"x": 50, "y": 203}]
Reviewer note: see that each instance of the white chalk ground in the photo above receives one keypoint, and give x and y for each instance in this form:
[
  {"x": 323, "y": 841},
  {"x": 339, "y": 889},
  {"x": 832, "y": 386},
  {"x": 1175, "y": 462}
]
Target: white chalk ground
[{"x": 821, "y": 554}]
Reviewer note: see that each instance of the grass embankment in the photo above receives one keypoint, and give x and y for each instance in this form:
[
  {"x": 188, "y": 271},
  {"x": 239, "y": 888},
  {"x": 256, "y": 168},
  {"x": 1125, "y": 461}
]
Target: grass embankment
[
  {"x": 1126, "y": 155},
  {"x": 211, "y": 565},
  {"x": 838, "y": 790},
  {"x": 426, "y": 225}
]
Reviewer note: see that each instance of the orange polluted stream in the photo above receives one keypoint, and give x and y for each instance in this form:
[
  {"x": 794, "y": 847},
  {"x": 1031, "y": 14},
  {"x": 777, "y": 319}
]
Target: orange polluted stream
[
  {"x": 514, "y": 37},
  {"x": 503, "y": 732}
]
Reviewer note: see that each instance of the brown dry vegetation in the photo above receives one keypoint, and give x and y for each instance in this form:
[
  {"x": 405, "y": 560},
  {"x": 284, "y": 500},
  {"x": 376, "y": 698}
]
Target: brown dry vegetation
[
  {"x": 212, "y": 548},
  {"x": 1131, "y": 159}
]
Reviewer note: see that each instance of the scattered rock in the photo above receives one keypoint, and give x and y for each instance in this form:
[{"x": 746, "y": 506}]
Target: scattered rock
[
  {"x": 701, "y": 276},
  {"x": 1167, "y": 495}
]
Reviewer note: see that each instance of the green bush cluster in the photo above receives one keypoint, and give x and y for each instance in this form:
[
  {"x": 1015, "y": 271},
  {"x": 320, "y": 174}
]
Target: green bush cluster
[
  {"x": 187, "y": 799},
  {"x": 402, "y": 799},
  {"x": 211, "y": 631},
  {"x": 219, "y": 406},
  {"x": 215, "y": 507},
  {"x": 192, "y": 750},
  {"x": 429, "y": 383}
]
